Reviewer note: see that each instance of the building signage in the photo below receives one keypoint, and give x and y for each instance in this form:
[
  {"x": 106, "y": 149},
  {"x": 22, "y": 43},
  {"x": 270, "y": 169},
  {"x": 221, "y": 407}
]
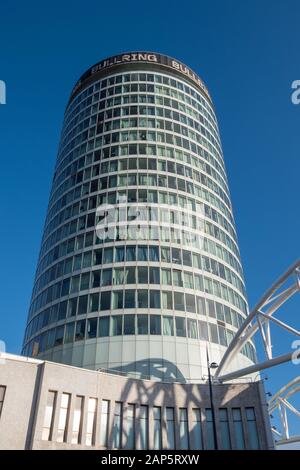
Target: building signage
[{"x": 146, "y": 57}]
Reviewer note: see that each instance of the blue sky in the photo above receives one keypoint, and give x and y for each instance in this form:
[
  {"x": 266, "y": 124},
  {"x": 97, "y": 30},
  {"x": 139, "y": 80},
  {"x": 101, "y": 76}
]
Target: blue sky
[{"x": 246, "y": 52}]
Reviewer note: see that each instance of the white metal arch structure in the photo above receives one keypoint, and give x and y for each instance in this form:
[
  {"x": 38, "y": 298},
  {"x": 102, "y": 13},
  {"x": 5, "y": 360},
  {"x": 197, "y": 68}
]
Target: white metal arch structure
[
  {"x": 259, "y": 319},
  {"x": 280, "y": 403}
]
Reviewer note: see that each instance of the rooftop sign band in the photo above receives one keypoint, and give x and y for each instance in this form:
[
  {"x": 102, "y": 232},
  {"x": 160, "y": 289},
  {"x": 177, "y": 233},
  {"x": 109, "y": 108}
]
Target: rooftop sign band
[{"x": 141, "y": 57}]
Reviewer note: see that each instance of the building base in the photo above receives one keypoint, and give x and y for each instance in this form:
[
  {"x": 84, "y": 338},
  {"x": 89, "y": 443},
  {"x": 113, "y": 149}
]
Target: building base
[{"x": 48, "y": 405}]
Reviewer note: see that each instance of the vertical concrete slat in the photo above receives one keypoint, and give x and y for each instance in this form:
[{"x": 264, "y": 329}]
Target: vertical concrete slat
[
  {"x": 84, "y": 420},
  {"x": 70, "y": 417}
]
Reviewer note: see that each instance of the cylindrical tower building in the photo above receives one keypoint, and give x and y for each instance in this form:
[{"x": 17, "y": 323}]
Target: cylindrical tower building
[{"x": 139, "y": 268}]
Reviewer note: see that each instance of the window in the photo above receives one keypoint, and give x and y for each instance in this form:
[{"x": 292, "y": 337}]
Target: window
[
  {"x": 203, "y": 330},
  {"x": 224, "y": 428},
  {"x": 130, "y": 253},
  {"x": 117, "y": 299},
  {"x": 104, "y": 423},
  {"x": 168, "y": 326},
  {"x": 107, "y": 255},
  {"x": 166, "y": 277},
  {"x": 75, "y": 284},
  {"x": 62, "y": 310},
  {"x": 91, "y": 419},
  {"x": 143, "y": 275},
  {"x": 220, "y": 312},
  {"x": 72, "y": 305},
  {"x": 222, "y": 335},
  {"x": 192, "y": 328},
  {"x": 209, "y": 429},
  {"x": 155, "y": 325},
  {"x": 197, "y": 261},
  {"x": 96, "y": 278},
  {"x": 211, "y": 308},
  {"x": 201, "y": 306},
  {"x": 129, "y": 298},
  {"x": 196, "y": 431},
  {"x": 85, "y": 281},
  {"x": 106, "y": 279},
  {"x": 130, "y": 427},
  {"x": 142, "y": 253},
  {"x": 92, "y": 328},
  {"x": 153, "y": 252},
  {"x": 97, "y": 257},
  {"x": 80, "y": 330},
  {"x": 116, "y": 325},
  {"x": 154, "y": 299},
  {"x": 180, "y": 326},
  {"x": 167, "y": 301},
  {"x": 252, "y": 429},
  {"x": 142, "y": 298},
  {"x": 170, "y": 428},
  {"x": 118, "y": 276},
  {"x": 176, "y": 256},
  {"x": 177, "y": 278},
  {"x": 227, "y": 315},
  {"x": 119, "y": 254},
  {"x": 49, "y": 414},
  {"x": 213, "y": 333},
  {"x": 105, "y": 300},
  {"x": 82, "y": 304},
  {"x": 238, "y": 428},
  {"x": 143, "y": 416},
  {"x": 157, "y": 428},
  {"x": 59, "y": 335},
  {"x": 198, "y": 284},
  {"x": 183, "y": 429},
  {"x": 165, "y": 255},
  {"x": 77, "y": 421},
  {"x": 186, "y": 258},
  {"x": 50, "y": 341},
  {"x": 179, "y": 301},
  {"x": 190, "y": 303},
  {"x": 154, "y": 276},
  {"x": 103, "y": 326},
  {"x": 130, "y": 277},
  {"x": 69, "y": 334},
  {"x": 188, "y": 280},
  {"x": 117, "y": 426},
  {"x": 129, "y": 324},
  {"x": 63, "y": 418},
  {"x": 142, "y": 324}
]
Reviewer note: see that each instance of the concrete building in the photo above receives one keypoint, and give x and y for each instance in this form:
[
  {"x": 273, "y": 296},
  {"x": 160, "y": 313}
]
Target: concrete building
[
  {"x": 139, "y": 276},
  {"x": 139, "y": 267},
  {"x": 45, "y": 405}
]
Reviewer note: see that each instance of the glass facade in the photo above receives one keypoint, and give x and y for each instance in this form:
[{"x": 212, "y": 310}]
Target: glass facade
[{"x": 139, "y": 244}]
